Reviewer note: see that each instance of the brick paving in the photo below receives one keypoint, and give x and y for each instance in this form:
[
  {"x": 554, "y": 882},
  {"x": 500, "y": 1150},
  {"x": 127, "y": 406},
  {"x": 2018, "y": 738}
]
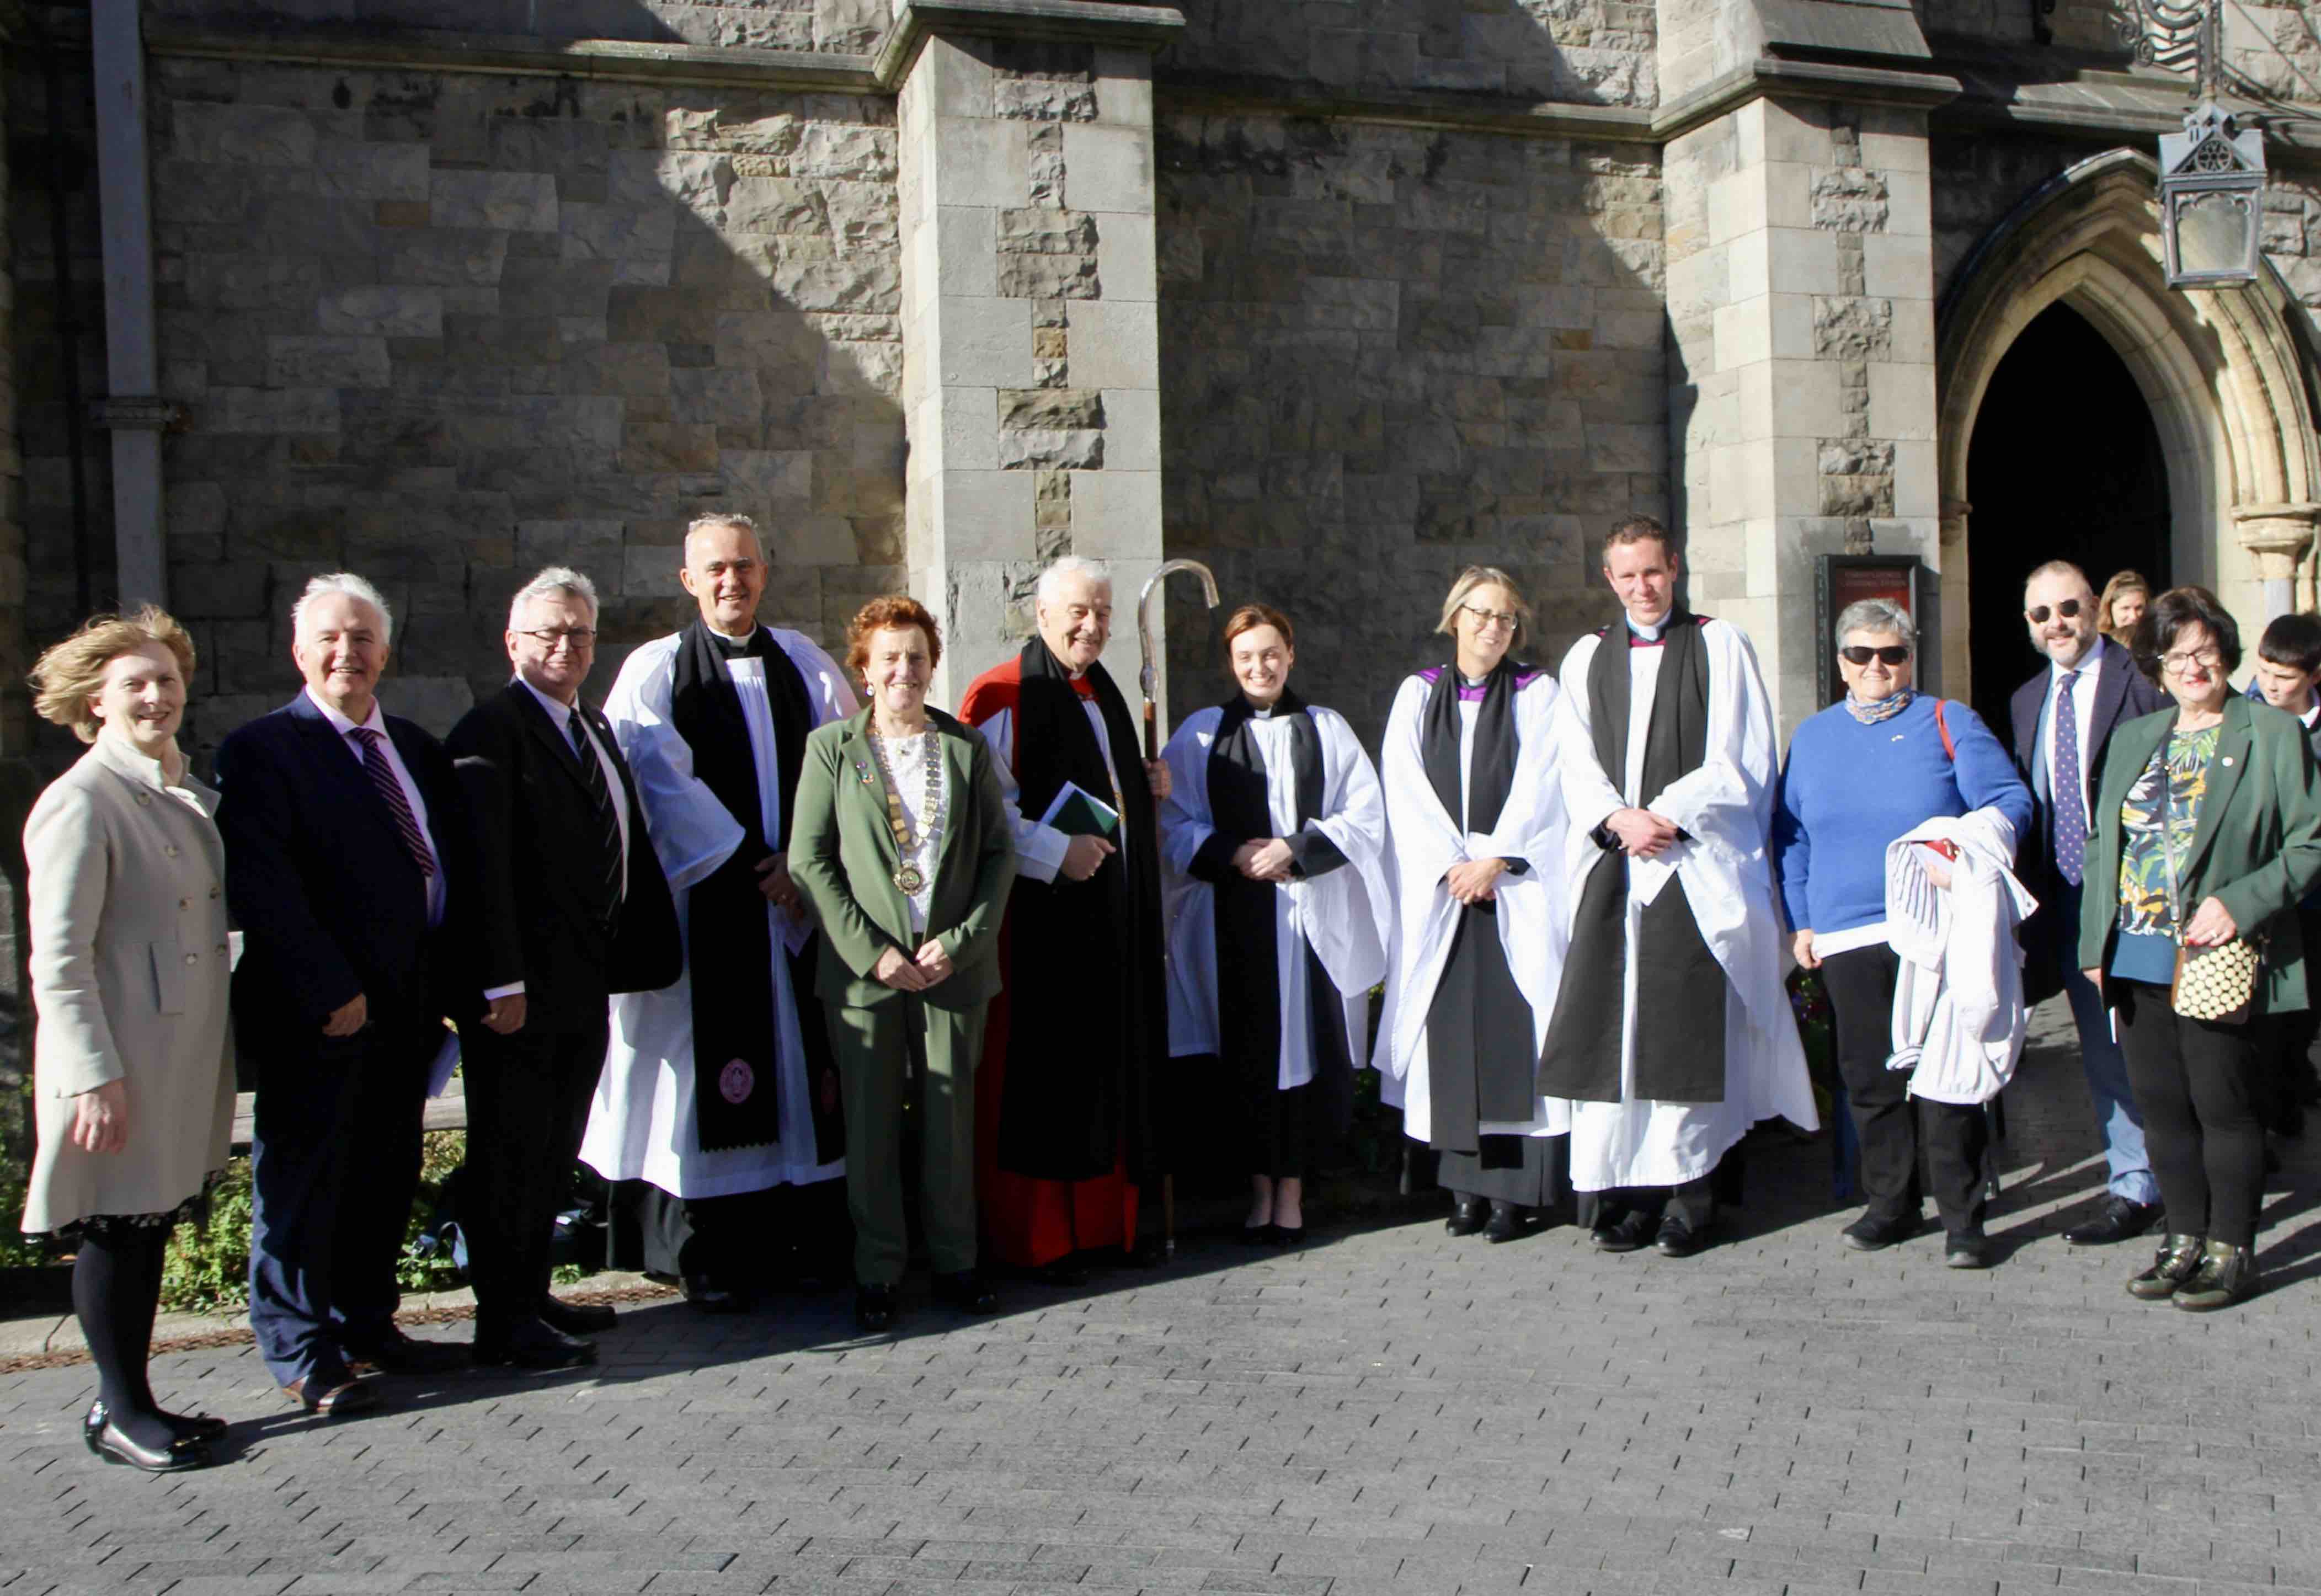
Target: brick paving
[{"x": 1387, "y": 1412}]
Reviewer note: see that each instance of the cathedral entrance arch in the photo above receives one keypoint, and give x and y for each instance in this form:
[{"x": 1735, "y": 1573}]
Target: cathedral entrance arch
[{"x": 2223, "y": 375}]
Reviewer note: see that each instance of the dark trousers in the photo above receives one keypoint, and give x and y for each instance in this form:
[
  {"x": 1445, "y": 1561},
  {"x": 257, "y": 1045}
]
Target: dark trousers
[
  {"x": 740, "y": 1241},
  {"x": 527, "y": 1107},
  {"x": 881, "y": 1051},
  {"x": 2203, "y": 1088},
  {"x": 1907, "y": 1145},
  {"x": 2289, "y": 1044},
  {"x": 334, "y": 1162}
]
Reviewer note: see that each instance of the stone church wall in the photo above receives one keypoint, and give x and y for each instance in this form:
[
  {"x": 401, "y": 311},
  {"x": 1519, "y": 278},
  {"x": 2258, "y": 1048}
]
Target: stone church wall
[
  {"x": 1389, "y": 353},
  {"x": 441, "y": 329}
]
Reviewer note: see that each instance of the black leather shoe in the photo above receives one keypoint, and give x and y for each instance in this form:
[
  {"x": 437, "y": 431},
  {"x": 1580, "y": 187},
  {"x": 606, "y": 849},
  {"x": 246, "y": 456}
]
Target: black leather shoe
[
  {"x": 1256, "y": 1236},
  {"x": 874, "y": 1307},
  {"x": 966, "y": 1291},
  {"x": 1285, "y": 1236},
  {"x": 2117, "y": 1219},
  {"x": 1506, "y": 1223},
  {"x": 333, "y": 1395},
  {"x": 1466, "y": 1215},
  {"x": 108, "y": 1442},
  {"x": 2178, "y": 1261},
  {"x": 2228, "y": 1274},
  {"x": 577, "y": 1318},
  {"x": 1967, "y": 1250},
  {"x": 1873, "y": 1232},
  {"x": 188, "y": 1426},
  {"x": 1631, "y": 1231},
  {"x": 1678, "y": 1239},
  {"x": 705, "y": 1296},
  {"x": 398, "y": 1354},
  {"x": 1067, "y": 1270},
  {"x": 533, "y": 1346}
]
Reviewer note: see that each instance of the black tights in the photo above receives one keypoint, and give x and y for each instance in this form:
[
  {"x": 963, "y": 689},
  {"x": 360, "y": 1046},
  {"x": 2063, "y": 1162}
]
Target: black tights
[{"x": 117, "y": 1287}]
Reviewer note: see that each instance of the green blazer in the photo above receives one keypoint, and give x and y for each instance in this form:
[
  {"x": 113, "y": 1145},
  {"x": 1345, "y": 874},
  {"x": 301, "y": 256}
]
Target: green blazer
[
  {"x": 2256, "y": 848},
  {"x": 843, "y": 856}
]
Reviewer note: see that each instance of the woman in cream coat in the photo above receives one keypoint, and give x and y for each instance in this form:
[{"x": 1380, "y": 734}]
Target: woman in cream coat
[{"x": 132, "y": 1080}]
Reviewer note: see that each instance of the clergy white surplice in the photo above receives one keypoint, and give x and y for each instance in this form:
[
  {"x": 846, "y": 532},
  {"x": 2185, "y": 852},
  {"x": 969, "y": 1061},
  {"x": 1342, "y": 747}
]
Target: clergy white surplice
[
  {"x": 640, "y": 1124},
  {"x": 1423, "y": 841},
  {"x": 1336, "y": 914},
  {"x": 1724, "y": 806}
]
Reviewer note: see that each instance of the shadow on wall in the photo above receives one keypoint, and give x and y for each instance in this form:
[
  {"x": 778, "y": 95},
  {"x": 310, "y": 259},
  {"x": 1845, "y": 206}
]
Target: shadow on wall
[
  {"x": 441, "y": 329},
  {"x": 1395, "y": 353}
]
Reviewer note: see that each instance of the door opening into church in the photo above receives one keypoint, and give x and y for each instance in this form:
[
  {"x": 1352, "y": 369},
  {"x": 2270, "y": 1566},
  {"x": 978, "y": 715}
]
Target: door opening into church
[{"x": 2065, "y": 464}]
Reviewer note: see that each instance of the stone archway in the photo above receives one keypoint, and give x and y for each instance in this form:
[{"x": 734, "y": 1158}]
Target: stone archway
[{"x": 2225, "y": 373}]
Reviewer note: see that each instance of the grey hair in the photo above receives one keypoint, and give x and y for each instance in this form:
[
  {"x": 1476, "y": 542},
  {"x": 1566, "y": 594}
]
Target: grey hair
[
  {"x": 1070, "y": 565},
  {"x": 1874, "y": 616},
  {"x": 740, "y": 523},
  {"x": 352, "y": 586},
  {"x": 551, "y": 581}
]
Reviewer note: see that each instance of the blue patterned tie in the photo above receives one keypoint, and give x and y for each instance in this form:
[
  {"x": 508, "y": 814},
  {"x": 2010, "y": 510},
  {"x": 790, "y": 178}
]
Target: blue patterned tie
[{"x": 2071, "y": 790}]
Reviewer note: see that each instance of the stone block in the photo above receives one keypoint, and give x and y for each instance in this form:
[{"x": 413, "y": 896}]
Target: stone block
[
  {"x": 1132, "y": 423},
  {"x": 985, "y": 342},
  {"x": 1901, "y": 400},
  {"x": 1114, "y": 345},
  {"x": 720, "y": 396},
  {"x": 956, "y": 81},
  {"x": 1117, "y": 514},
  {"x": 394, "y": 312},
  {"x": 1045, "y": 230},
  {"x": 445, "y": 256},
  {"x": 776, "y": 205},
  {"x": 1048, "y": 276},
  {"x": 649, "y": 447},
  {"x": 1126, "y": 265},
  {"x": 871, "y": 369},
  {"x": 616, "y": 233},
  {"x": 860, "y": 215},
  {"x": 353, "y": 168},
  {"x": 591, "y": 546},
  {"x": 1898, "y": 266},
  {"x": 300, "y": 410},
  {"x": 1050, "y": 449},
  {"x": 981, "y": 163},
  {"x": 1910, "y": 206},
  {"x": 985, "y": 514},
  {"x": 766, "y": 476},
  {"x": 694, "y": 180},
  {"x": 249, "y": 282},
  {"x": 1123, "y": 86},
  {"x": 1108, "y": 168},
  {"x": 650, "y": 573},
  {"x": 326, "y": 362},
  {"x": 513, "y": 201},
  {"x": 970, "y": 431},
  {"x": 846, "y": 151},
  {"x": 241, "y": 135},
  {"x": 1050, "y": 407}
]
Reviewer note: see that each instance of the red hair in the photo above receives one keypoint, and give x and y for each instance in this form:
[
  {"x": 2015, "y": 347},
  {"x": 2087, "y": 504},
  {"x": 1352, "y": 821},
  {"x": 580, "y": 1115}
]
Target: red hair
[
  {"x": 895, "y": 611},
  {"x": 1248, "y": 617}
]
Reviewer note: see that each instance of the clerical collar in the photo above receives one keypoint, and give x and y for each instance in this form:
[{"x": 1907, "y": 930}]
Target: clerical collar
[
  {"x": 1651, "y": 633},
  {"x": 735, "y": 648}
]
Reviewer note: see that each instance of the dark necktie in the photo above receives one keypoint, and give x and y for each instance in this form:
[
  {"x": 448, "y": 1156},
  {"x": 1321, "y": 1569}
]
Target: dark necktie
[
  {"x": 600, "y": 807},
  {"x": 390, "y": 791},
  {"x": 2071, "y": 789}
]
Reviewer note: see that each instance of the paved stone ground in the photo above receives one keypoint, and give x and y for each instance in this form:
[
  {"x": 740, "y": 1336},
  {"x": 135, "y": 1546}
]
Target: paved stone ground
[{"x": 1387, "y": 1412}]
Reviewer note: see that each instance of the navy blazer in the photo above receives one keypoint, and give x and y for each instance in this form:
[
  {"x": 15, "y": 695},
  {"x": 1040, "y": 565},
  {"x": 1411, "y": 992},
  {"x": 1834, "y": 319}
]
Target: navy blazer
[
  {"x": 328, "y": 898},
  {"x": 533, "y": 822},
  {"x": 2123, "y": 693}
]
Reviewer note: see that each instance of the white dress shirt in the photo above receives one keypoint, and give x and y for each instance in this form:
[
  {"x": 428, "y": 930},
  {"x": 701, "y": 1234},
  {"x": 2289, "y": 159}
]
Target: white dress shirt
[
  {"x": 2090, "y": 667},
  {"x": 564, "y": 719}
]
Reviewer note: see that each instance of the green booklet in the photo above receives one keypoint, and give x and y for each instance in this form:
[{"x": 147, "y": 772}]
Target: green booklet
[{"x": 1078, "y": 813}]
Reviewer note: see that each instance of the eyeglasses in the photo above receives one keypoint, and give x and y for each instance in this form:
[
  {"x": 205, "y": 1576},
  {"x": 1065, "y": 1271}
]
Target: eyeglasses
[
  {"x": 579, "y": 637},
  {"x": 2207, "y": 659},
  {"x": 1490, "y": 618},
  {"x": 2067, "y": 609},
  {"x": 1892, "y": 653}
]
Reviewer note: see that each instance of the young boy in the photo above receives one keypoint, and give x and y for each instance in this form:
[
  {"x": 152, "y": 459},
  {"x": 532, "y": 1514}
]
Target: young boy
[{"x": 2287, "y": 666}]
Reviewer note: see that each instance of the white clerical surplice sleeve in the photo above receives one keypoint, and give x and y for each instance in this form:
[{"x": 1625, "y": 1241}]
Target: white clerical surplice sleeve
[
  {"x": 691, "y": 830},
  {"x": 1038, "y": 849}
]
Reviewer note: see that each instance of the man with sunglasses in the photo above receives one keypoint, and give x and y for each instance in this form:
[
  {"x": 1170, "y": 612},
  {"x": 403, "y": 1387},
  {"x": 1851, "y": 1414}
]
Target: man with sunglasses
[{"x": 2061, "y": 756}]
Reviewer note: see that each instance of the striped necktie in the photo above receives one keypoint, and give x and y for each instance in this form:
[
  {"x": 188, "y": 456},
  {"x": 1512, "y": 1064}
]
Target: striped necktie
[
  {"x": 600, "y": 805},
  {"x": 390, "y": 791}
]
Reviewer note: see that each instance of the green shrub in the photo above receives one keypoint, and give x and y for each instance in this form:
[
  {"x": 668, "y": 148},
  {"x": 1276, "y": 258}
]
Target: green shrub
[{"x": 209, "y": 1269}]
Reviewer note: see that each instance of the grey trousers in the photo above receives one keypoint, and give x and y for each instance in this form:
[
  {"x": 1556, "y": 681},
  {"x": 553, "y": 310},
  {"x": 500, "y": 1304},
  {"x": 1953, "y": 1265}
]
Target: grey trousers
[{"x": 878, "y": 1049}]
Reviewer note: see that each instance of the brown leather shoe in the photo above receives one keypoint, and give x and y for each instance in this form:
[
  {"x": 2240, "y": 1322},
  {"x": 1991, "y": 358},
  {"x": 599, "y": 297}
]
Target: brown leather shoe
[{"x": 342, "y": 1400}]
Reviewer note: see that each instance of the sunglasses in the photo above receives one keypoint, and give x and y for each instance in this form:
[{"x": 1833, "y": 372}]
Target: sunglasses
[
  {"x": 2068, "y": 609},
  {"x": 1893, "y": 653}
]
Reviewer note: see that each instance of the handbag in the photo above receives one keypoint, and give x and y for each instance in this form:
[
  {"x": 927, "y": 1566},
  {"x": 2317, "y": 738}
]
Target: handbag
[{"x": 2215, "y": 984}]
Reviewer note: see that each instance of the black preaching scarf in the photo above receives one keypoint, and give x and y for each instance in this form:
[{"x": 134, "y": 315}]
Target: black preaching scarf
[
  {"x": 1680, "y": 1039},
  {"x": 731, "y": 940},
  {"x": 1087, "y": 1022},
  {"x": 1491, "y": 775},
  {"x": 1248, "y": 965}
]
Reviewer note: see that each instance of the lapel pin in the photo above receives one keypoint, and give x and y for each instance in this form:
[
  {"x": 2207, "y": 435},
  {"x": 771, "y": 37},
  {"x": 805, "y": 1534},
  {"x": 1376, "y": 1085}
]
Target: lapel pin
[{"x": 2228, "y": 759}]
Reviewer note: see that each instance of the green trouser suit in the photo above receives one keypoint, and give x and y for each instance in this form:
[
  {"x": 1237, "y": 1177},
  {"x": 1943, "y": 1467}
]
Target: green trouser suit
[{"x": 843, "y": 855}]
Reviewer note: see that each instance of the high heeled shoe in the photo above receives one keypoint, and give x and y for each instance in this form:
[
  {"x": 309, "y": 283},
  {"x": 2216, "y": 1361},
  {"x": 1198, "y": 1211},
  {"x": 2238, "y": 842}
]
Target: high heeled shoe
[{"x": 106, "y": 1439}]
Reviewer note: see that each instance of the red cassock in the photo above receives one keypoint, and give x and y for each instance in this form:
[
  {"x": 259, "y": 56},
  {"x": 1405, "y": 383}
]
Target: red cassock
[{"x": 1027, "y": 1221}]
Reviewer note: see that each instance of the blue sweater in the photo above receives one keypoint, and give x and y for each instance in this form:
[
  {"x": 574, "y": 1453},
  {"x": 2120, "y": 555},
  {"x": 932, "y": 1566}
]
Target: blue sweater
[{"x": 1849, "y": 790}]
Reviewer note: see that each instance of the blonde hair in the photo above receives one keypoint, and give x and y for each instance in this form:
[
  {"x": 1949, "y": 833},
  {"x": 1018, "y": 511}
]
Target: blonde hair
[
  {"x": 68, "y": 674},
  {"x": 1486, "y": 576}
]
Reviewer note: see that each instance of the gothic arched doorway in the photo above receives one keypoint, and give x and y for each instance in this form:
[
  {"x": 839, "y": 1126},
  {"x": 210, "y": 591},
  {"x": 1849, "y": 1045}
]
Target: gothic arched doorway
[{"x": 2065, "y": 464}]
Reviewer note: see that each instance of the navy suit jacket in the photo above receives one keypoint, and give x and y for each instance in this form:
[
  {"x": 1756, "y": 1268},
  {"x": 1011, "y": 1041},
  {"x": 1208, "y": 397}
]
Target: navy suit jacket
[
  {"x": 536, "y": 829},
  {"x": 329, "y": 900},
  {"x": 2123, "y": 693}
]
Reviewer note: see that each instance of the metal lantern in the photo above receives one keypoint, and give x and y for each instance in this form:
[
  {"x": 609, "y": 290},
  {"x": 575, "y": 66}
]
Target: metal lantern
[{"x": 2212, "y": 200}]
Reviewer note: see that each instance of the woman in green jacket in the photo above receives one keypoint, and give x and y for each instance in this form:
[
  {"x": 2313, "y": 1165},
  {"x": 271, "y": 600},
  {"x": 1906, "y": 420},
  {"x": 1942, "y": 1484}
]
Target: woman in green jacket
[
  {"x": 2209, "y": 831},
  {"x": 902, "y": 841}
]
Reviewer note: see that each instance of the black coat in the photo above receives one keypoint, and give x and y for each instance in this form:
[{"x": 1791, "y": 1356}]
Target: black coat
[
  {"x": 534, "y": 825},
  {"x": 2123, "y": 693},
  {"x": 328, "y": 898}
]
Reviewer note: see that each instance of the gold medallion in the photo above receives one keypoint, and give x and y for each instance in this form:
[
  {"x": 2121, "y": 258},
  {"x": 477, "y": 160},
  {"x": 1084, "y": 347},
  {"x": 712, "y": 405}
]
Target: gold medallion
[{"x": 910, "y": 879}]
